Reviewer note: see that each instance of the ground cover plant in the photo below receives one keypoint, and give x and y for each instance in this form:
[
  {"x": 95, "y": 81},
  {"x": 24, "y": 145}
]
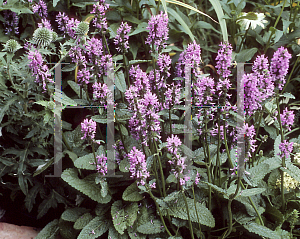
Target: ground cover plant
[{"x": 175, "y": 66}]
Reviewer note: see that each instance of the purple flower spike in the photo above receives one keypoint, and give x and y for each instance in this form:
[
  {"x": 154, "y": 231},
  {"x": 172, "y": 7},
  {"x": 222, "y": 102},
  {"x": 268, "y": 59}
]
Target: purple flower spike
[
  {"x": 286, "y": 148},
  {"x": 280, "y": 66},
  {"x": 102, "y": 164},
  {"x": 11, "y": 21},
  {"x": 287, "y": 118},
  {"x": 138, "y": 165},
  {"x": 99, "y": 20},
  {"x": 172, "y": 96},
  {"x": 121, "y": 39},
  {"x": 67, "y": 25},
  {"x": 158, "y": 32},
  {"x": 41, "y": 9},
  {"x": 88, "y": 127},
  {"x": 173, "y": 144},
  {"x": 224, "y": 59}
]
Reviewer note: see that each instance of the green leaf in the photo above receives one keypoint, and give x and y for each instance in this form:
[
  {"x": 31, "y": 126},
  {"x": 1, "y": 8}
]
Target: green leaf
[
  {"x": 179, "y": 210},
  {"x": 205, "y": 25},
  {"x": 123, "y": 217},
  {"x": 183, "y": 24},
  {"x": 252, "y": 191},
  {"x": 292, "y": 170},
  {"x": 50, "y": 231},
  {"x": 95, "y": 228},
  {"x": 140, "y": 28},
  {"x": 6, "y": 106},
  {"x": 82, "y": 221},
  {"x": 261, "y": 230},
  {"x": 87, "y": 185},
  {"x": 76, "y": 89},
  {"x": 49, "y": 202},
  {"x": 164, "y": 6},
  {"x": 86, "y": 162},
  {"x": 113, "y": 233},
  {"x": 30, "y": 197},
  {"x": 72, "y": 214},
  {"x": 120, "y": 81},
  {"x": 132, "y": 194},
  {"x": 69, "y": 67},
  {"x": 276, "y": 146},
  {"x": 60, "y": 96},
  {"x": 276, "y": 215},
  {"x": 258, "y": 172},
  {"x": 245, "y": 55},
  {"x": 132, "y": 19},
  {"x": 133, "y": 62},
  {"x": 55, "y": 2},
  {"x": 152, "y": 227}
]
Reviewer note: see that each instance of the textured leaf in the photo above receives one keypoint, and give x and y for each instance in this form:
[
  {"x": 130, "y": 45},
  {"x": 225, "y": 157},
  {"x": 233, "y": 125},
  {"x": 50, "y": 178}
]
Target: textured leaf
[
  {"x": 152, "y": 227},
  {"x": 179, "y": 210},
  {"x": 95, "y": 228},
  {"x": 261, "y": 230},
  {"x": 50, "y": 231},
  {"x": 72, "y": 214},
  {"x": 140, "y": 28},
  {"x": 76, "y": 89},
  {"x": 132, "y": 194},
  {"x": 252, "y": 191},
  {"x": 258, "y": 172},
  {"x": 49, "y": 202},
  {"x": 123, "y": 217},
  {"x": 120, "y": 81},
  {"x": 113, "y": 234},
  {"x": 87, "y": 185},
  {"x": 245, "y": 55},
  {"x": 30, "y": 198},
  {"x": 276, "y": 146},
  {"x": 82, "y": 221},
  {"x": 62, "y": 98},
  {"x": 292, "y": 170},
  {"x": 86, "y": 162}
]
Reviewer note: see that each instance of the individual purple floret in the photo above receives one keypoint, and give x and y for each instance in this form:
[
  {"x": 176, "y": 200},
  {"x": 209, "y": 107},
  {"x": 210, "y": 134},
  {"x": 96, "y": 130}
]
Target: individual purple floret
[
  {"x": 88, "y": 127},
  {"x": 287, "y": 118},
  {"x": 224, "y": 59},
  {"x": 99, "y": 10},
  {"x": 138, "y": 165},
  {"x": 158, "y": 32},
  {"x": 102, "y": 164},
  {"x": 261, "y": 71},
  {"x": 67, "y": 25},
  {"x": 279, "y": 66},
  {"x": 286, "y": 148},
  {"x": 41, "y": 9},
  {"x": 121, "y": 39}
]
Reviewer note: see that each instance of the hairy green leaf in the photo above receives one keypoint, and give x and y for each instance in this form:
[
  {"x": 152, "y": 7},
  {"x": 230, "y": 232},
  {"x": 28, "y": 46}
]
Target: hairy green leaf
[
  {"x": 132, "y": 194},
  {"x": 72, "y": 214},
  {"x": 82, "y": 221},
  {"x": 50, "y": 231},
  {"x": 95, "y": 228}
]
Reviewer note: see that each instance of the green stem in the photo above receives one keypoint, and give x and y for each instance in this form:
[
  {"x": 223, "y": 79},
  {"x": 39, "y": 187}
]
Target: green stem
[
  {"x": 161, "y": 170},
  {"x": 126, "y": 69},
  {"x": 283, "y": 158},
  {"x": 160, "y": 215},
  {"x": 170, "y": 121},
  {"x": 244, "y": 37},
  {"x": 196, "y": 211},
  {"x": 231, "y": 198},
  {"x": 208, "y": 162},
  {"x": 188, "y": 213},
  {"x": 272, "y": 33}
]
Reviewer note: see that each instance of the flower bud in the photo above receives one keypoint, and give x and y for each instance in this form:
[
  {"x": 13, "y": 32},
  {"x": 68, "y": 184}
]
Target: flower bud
[
  {"x": 12, "y": 46},
  {"x": 43, "y": 36},
  {"x": 82, "y": 28}
]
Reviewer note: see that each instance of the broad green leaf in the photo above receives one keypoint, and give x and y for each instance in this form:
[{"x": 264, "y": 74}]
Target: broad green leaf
[
  {"x": 140, "y": 28},
  {"x": 72, "y": 214},
  {"x": 60, "y": 96},
  {"x": 292, "y": 170},
  {"x": 95, "y": 228},
  {"x": 252, "y": 191},
  {"x": 120, "y": 81},
  {"x": 55, "y": 2},
  {"x": 183, "y": 24},
  {"x": 205, "y": 25},
  {"x": 82, "y": 221},
  {"x": 86, "y": 162},
  {"x": 245, "y": 55},
  {"x": 123, "y": 217},
  {"x": 113, "y": 233},
  {"x": 50, "y": 231},
  {"x": 261, "y": 230},
  {"x": 132, "y": 194},
  {"x": 152, "y": 227},
  {"x": 87, "y": 185}
]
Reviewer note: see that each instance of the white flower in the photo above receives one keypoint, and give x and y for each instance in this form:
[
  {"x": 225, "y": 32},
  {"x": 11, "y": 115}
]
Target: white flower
[{"x": 253, "y": 18}]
